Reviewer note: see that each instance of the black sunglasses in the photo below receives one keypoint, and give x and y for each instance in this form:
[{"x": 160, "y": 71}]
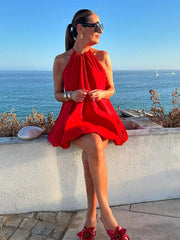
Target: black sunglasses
[{"x": 97, "y": 26}]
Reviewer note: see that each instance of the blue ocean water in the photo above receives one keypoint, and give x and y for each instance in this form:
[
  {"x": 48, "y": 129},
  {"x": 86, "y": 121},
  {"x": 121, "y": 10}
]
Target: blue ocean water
[{"x": 24, "y": 90}]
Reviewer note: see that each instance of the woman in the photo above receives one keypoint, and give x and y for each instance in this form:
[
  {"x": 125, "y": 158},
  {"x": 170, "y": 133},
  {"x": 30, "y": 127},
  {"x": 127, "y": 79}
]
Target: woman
[{"x": 83, "y": 82}]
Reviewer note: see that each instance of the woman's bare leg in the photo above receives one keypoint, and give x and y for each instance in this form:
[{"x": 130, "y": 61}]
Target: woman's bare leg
[
  {"x": 90, "y": 190},
  {"x": 92, "y": 144},
  {"x": 91, "y": 194}
]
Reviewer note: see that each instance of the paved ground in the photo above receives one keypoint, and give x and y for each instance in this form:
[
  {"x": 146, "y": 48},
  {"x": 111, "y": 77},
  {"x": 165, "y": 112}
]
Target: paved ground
[{"x": 144, "y": 221}]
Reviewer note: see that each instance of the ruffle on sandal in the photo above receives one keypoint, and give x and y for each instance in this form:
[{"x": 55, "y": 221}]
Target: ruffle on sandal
[
  {"x": 118, "y": 234},
  {"x": 87, "y": 233}
]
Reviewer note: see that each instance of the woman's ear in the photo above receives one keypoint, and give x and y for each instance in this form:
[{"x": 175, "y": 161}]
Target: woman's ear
[{"x": 79, "y": 28}]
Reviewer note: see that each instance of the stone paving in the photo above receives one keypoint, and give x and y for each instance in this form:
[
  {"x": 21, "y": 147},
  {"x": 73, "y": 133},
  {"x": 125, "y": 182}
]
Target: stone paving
[
  {"x": 34, "y": 225},
  {"x": 144, "y": 221}
]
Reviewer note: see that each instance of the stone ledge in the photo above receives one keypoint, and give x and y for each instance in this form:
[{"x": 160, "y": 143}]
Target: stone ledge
[{"x": 149, "y": 128}]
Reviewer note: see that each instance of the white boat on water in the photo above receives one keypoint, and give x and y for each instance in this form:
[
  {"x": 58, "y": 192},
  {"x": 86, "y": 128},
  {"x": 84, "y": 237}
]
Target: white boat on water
[
  {"x": 157, "y": 74},
  {"x": 173, "y": 73}
]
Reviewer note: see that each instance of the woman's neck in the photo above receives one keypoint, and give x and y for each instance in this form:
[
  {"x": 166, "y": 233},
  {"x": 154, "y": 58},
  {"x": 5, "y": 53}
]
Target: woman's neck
[{"x": 80, "y": 47}]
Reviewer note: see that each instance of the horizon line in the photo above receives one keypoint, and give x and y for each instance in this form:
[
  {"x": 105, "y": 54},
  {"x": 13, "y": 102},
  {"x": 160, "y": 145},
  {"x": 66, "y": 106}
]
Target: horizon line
[{"x": 130, "y": 69}]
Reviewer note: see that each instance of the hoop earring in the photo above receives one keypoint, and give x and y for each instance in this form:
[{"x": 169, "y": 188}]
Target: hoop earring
[{"x": 81, "y": 36}]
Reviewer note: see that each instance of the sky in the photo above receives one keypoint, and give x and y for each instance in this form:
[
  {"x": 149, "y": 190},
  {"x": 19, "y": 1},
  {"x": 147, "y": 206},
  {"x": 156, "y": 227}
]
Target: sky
[{"x": 138, "y": 34}]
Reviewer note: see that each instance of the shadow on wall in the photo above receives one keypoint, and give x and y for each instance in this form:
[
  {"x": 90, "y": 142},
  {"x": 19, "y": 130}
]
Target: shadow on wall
[
  {"x": 71, "y": 181},
  {"x": 26, "y": 177}
]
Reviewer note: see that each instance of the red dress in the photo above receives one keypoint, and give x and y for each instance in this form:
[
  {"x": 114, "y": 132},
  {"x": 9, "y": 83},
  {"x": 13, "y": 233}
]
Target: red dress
[{"x": 84, "y": 71}]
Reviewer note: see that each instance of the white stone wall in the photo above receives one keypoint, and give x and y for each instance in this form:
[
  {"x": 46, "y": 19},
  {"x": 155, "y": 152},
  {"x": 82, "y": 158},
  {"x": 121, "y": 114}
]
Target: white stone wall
[{"x": 34, "y": 176}]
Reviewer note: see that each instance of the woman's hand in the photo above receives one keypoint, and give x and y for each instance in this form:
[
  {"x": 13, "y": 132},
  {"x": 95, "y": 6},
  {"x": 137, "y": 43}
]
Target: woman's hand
[
  {"x": 79, "y": 95},
  {"x": 97, "y": 94}
]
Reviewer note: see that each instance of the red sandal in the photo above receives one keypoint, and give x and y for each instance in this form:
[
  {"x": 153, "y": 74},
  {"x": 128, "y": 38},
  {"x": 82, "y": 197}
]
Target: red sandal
[
  {"x": 118, "y": 234},
  {"x": 87, "y": 233}
]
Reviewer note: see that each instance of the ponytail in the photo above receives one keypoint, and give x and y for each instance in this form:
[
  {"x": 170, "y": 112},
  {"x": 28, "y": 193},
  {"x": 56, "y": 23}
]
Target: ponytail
[
  {"x": 69, "y": 39},
  {"x": 71, "y": 31}
]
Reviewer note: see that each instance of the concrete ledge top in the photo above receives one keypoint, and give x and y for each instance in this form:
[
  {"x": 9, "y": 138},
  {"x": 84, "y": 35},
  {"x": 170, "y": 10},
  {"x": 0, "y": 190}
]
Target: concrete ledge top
[
  {"x": 134, "y": 132},
  {"x": 153, "y": 131},
  {"x": 13, "y": 140}
]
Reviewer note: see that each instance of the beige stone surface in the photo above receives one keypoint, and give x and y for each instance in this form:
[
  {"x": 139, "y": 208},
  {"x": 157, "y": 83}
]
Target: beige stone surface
[
  {"x": 123, "y": 207},
  {"x": 6, "y": 232},
  {"x": 35, "y": 237},
  {"x": 28, "y": 223},
  {"x": 13, "y": 221},
  {"x": 63, "y": 218},
  {"x": 167, "y": 208},
  {"x": 75, "y": 226},
  {"x": 42, "y": 228},
  {"x": 145, "y": 221},
  {"x": 30, "y": 215},
  {"x": 34, "y": 225},
  {"x": 140, "y": 225},
  {"x": 2, "y": 220},
  {"x": 20, "y": 235},
  {"x": 49, "y": 217},
  {"x": 58, "y": 232}
]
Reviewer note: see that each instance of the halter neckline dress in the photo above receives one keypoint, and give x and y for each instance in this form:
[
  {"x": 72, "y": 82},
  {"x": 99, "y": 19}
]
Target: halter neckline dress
[{"x": 84, "y": 71}]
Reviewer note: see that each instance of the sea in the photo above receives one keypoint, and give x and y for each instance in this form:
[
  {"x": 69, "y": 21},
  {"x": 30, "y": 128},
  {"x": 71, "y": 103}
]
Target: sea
[{"x": 24, "y": 90}]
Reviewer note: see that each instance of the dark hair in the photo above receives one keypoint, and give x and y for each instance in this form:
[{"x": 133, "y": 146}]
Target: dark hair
[{"x": 71, "y": 32}]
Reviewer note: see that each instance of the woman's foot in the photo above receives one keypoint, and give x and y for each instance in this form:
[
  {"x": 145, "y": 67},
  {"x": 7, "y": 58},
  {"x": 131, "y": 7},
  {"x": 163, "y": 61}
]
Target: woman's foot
[
  {"x": 87, "y": 233},
  {"x": 118, "y": 234},
  {"x": 91, "y": 221},
  {"x": 112, "y": 227},
  {"x": 109, "y": 220},
  {"x": 89, "y": 230}
]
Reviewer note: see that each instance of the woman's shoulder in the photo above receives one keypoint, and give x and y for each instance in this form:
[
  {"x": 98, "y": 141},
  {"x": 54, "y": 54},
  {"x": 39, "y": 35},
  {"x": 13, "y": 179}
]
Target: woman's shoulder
[
  {"x": 62, "y": 60},
  {"x": 103, "y": 57},
  {"x": 100, "y": 54},
  {"x": 63, "y": 57}
]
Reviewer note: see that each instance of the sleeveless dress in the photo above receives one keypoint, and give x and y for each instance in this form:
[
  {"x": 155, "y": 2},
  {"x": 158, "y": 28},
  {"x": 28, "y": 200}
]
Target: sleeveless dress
[{"x": 84, "y": 71}]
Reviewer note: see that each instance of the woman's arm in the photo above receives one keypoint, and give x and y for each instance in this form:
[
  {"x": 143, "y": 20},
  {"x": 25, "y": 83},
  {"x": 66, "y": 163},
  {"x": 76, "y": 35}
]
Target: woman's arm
[
  {"x": 60, "y": 63},
  {"x": 105, "y": 61},
  {"x": 58, "y": 67}
]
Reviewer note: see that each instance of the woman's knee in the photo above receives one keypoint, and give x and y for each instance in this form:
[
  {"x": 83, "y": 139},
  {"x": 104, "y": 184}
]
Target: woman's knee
[
  {"x": 91, "y": 143},
  {"x": 95, "y": 146}
]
